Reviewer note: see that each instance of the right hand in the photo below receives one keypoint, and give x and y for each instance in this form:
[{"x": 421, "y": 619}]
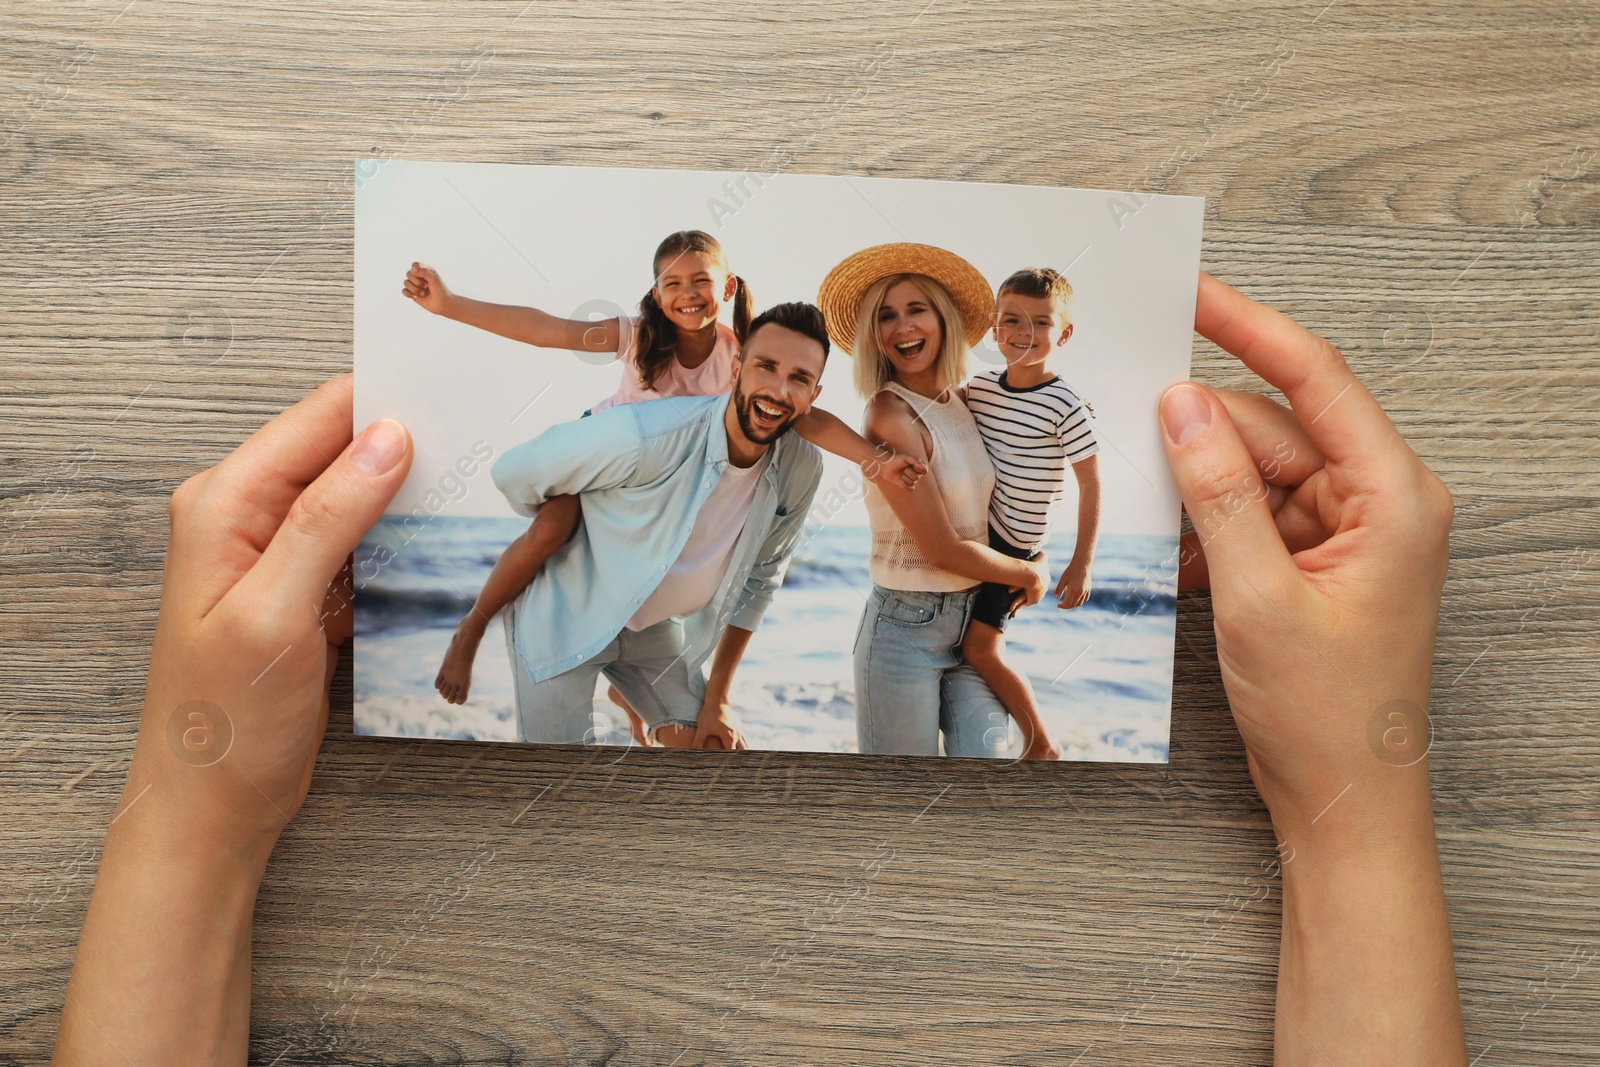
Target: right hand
[
  {"x": 1325, "y": 576},
  {"x": 1030, "y": 594},
  {"x": 717, "y": 727},
  {"x": 424, "y": 286}
]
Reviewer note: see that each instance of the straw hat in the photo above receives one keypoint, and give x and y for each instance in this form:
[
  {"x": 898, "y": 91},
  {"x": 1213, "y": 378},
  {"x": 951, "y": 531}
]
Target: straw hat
[{"x": 842, "y": 290}]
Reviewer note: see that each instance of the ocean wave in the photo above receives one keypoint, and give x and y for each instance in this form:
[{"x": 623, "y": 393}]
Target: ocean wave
[
  {"x": 820, "y": 574},
  {"x": 1130, "y": 599},
  {"x": 379, "y": 608},
  {"x": 1117, "y": 597}
]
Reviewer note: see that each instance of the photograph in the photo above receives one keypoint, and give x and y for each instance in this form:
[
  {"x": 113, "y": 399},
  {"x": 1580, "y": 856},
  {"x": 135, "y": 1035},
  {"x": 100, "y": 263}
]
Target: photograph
[{"x": 770, "y": 461}]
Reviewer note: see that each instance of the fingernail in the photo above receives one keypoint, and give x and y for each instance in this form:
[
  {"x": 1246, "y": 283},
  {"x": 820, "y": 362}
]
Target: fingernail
[
  {"x": 379, "y": 447},
  {"x": 1185, "y": 412}
]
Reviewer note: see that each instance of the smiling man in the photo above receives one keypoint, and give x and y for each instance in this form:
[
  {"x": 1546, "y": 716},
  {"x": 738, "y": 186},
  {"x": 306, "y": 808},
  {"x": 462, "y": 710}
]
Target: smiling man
[{"x": 691, "y": 508}]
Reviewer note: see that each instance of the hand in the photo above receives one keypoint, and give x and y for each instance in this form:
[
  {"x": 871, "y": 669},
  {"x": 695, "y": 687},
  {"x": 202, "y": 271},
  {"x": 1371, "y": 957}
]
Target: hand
[
  {"x": 1325, "y": 542},
  {"x": 717, "y": 727},
  {"x": 234, "y": 710},
  {"x": 1073, "y": 588},
  {"x": 424, "y": 286},
  {"x": 248, "y": 623},
  {"x": 1326, "y": 606},
  {"x": 901, "y": 469},
  {"x": 1030, "y": 594}
]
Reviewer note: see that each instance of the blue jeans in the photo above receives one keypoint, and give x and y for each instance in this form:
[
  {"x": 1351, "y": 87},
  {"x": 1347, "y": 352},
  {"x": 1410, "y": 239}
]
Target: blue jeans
[{"x": 912, "y": 684}]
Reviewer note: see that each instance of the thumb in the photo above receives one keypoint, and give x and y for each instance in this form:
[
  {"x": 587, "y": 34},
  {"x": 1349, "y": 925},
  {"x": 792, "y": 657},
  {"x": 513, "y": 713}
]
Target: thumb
[
  {"x": 331, "y": 515},
  {"x": 1221, "y": 488}
]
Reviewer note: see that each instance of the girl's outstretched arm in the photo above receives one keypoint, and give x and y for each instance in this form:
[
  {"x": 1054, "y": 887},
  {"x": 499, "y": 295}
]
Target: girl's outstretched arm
[
  {"x": 528, "y": 325},
  {"x": 881, "y": 463}
]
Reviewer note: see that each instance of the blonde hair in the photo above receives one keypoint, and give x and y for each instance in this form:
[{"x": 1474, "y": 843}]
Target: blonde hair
[
  {"x": 1043, "y": 283},
  {"x": 873, "y": 369}
]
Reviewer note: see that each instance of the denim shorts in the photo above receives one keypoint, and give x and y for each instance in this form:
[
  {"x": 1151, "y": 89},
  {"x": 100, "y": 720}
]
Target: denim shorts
[
  {"x": 912, "y": 686},
  {"x": 648, "y": 667}
]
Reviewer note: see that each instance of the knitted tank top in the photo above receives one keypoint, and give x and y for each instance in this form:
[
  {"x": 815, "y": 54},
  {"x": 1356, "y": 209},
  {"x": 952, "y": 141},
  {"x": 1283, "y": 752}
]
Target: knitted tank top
[{"x": 961, "y": 472}]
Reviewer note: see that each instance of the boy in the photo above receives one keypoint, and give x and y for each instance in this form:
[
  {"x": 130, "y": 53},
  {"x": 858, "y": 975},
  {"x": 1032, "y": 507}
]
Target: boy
[{"x": 1034, "y": 428}]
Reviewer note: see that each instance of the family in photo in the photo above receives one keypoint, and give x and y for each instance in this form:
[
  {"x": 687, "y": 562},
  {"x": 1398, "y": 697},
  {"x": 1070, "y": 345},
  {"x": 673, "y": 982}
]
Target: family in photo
[{"x": 665, "y": 516}]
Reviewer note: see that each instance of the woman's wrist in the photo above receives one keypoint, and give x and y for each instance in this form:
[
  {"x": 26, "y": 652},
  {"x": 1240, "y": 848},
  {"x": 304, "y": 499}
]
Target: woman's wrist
[
  {"x": 163, "y": 970},
  {"x": 199, "y": 805},
  {"x": 1343, "y": 794},
  {"x": 978, "y": 562},
  {"x": 1358, "y": 858},
  {"x": 168, "y": 828},
  {"x": 1374, "y": 820},
  {"x": 1024, "y": 570},
  {"x": 1366, "y": 952}
]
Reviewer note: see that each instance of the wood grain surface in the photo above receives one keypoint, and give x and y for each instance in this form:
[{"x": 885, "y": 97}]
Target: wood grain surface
[{"x": 1418, "y": 182}]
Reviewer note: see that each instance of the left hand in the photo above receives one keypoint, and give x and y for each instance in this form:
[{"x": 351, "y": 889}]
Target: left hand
[
  {"x": 1073, "y": 588},
  {"x": 252, "y": 612},
  {"x": 234, "y": 710},
  {"x": 718, "y": 727},
  {"x": 901, "y": 470}
]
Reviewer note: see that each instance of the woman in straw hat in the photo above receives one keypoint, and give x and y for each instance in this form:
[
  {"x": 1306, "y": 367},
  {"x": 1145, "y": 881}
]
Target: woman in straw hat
[{"x": 910, "y": 314}]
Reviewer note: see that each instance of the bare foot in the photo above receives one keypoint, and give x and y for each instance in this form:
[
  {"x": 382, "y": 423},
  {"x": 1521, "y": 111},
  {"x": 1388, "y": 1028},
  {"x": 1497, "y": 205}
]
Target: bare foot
[
  {"x": 455, "y": 674},
  {"x": 641, "y": 735}
]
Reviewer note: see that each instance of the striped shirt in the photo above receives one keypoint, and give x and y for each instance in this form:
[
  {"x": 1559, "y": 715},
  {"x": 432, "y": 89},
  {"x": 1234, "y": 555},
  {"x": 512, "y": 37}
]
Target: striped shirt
[{"x": 1032, "y": 435}]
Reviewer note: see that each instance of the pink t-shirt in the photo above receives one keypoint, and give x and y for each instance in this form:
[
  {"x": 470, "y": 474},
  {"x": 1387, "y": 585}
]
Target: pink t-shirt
[{"x": 713, "y": 376}]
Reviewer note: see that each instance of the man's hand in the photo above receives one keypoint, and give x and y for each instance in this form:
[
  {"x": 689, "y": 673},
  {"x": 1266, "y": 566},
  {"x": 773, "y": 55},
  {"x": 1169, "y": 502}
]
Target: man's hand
[
  {"x": 718, "y": 727},
  {"x": 901, "y": 469},
  {"x": 1073, "y": 588}
]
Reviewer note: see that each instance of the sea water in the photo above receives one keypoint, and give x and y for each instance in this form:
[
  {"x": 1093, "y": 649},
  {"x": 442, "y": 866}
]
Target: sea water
[{"x": 1101, "y": 673}]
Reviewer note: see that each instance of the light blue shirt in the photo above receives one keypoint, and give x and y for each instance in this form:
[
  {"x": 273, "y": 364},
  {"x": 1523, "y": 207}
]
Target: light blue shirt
[{"x": 643, "y": 470}]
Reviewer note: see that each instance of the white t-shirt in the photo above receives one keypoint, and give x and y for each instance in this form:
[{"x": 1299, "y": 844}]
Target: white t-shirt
[
  {"x": 713, "y": 376},
  {"x": 692, "y": 580}
]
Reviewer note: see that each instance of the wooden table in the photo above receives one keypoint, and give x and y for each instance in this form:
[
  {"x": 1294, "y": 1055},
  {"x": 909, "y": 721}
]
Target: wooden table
[{"x": 1418, "y": 182}]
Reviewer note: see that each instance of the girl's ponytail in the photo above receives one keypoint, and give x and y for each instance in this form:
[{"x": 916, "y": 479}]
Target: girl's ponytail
[
  {"x": 656, "y": 343},
  {"x": 743, "y": 309}
]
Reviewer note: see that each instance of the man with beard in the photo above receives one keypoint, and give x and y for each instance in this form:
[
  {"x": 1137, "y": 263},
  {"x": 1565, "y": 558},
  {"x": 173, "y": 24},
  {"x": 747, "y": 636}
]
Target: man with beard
[{"x": 691, "y": 508}]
